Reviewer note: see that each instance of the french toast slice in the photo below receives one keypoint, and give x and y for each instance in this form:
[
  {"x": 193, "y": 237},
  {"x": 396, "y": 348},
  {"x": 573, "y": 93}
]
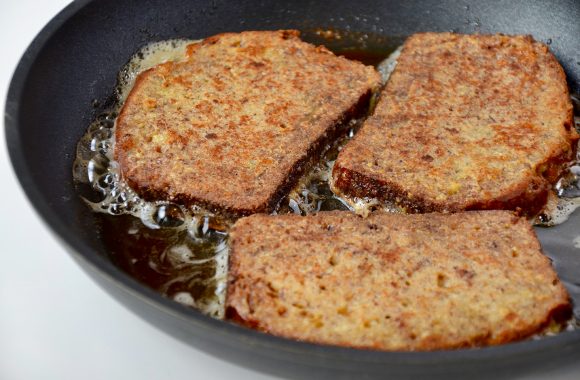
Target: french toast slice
[
  {"x": 233, "y": 125},
  {"x": 465, "y": 122},
  {"x": 393, "y": 281}
]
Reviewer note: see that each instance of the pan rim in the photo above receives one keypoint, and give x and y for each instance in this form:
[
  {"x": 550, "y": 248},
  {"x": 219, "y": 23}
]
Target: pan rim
[{"x": 269, "y": 344}]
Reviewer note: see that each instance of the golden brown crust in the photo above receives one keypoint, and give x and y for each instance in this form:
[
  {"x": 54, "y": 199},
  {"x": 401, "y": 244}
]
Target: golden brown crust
[
  {"x": 234, "y": 125},
  {"x": 465, "y": 122},
  {"x": 392, "y": 281}
]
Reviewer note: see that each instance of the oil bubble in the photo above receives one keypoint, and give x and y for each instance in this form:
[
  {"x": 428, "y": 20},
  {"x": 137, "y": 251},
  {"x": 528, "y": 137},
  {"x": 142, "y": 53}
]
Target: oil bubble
[
  {"x": 106, "y": 180},
  {"x": 115, "y": 209},
  {"x": 97, "y": 167},
  {"x": 102, "y": 134},
  {"x": 169, "y": 215}
]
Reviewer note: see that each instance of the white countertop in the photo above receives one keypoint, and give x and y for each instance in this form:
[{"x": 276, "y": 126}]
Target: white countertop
[{"x": 55, "y": 323}]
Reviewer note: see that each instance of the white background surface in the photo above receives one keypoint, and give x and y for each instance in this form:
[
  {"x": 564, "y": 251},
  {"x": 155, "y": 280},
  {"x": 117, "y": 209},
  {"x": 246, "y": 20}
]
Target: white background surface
[{"x": 55, "y": 323}]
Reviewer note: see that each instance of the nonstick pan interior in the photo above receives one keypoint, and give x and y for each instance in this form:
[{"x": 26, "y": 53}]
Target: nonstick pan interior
[{"x": 69, "y": 71}]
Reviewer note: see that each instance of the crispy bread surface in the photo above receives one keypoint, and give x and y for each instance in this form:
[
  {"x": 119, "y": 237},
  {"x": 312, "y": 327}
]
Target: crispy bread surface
[
  {"x": 465, "y": 122},
  {"x": 233, "y": 125},
  {"x": 392, "y": 281}
]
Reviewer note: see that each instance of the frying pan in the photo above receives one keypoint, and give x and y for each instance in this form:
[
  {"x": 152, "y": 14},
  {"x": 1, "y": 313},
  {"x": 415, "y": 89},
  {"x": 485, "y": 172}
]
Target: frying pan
[{"x": 67, "y": 74}]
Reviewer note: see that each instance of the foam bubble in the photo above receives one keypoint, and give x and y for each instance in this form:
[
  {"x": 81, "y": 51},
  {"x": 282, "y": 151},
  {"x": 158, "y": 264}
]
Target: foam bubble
[
  {"x": 564, "y": 200},
  {"x": 386, "y": 67},
  {"x": 184, "y": 298}
]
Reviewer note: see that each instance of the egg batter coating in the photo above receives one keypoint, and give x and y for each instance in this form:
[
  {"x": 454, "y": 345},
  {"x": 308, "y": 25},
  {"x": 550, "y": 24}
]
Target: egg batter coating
[
  {"x": 235, "y": 124},
  {"x": 465, "y": 122},
  {"x": 392, "y": 281}
]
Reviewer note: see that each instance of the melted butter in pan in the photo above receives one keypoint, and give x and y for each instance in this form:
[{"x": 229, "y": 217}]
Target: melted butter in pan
[{"x": 182, "y": 251}]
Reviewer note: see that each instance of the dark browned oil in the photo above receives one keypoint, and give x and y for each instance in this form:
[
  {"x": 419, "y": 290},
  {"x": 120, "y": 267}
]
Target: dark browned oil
[
  {"x": 368, "y": 48},
  {"x": 175, "y": 250}
]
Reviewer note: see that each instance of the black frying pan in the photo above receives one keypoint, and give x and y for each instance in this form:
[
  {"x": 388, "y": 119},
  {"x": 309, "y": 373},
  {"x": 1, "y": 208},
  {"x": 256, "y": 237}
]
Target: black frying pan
[{"x": 72, "y": 65}]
